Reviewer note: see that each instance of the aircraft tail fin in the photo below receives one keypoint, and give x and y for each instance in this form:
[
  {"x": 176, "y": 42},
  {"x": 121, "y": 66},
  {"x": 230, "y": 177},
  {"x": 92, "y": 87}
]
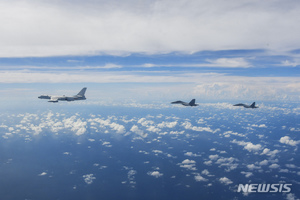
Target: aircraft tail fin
[
  {"x": 252, "y": 105},
  {"x": 82, "y": 92},
  {"x": 192, "y": 102}
]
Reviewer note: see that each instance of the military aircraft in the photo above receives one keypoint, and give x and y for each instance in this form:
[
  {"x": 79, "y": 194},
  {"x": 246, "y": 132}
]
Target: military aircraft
[
  {"x": 246, "y": 106},
  {"x": 55, "y": 99},
  {"x": 192, "y": 103}
]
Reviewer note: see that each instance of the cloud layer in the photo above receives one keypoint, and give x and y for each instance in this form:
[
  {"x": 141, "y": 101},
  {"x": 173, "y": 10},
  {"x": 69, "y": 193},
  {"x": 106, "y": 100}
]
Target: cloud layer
[{"x": 43, "y": 28}]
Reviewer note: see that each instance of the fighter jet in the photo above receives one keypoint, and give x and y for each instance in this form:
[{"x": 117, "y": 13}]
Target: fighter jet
[
  {"x": 55, "y": 99},
  {"x": 246, "y": 106},
  {"x": 192, "y": 103}
]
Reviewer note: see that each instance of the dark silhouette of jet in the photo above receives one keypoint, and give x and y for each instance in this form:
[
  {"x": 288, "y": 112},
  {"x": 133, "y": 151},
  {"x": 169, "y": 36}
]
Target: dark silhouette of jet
[
  {"x": 246, "y": 106},
  {"x": 192, "y": 103}
]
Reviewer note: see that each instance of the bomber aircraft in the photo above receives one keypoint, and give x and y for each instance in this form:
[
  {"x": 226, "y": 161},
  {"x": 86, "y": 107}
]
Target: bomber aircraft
[{"x": 55, "y": 99}]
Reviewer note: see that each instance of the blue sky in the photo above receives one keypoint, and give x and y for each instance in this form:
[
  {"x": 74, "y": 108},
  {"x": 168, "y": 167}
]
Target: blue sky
[{"x": 212, "y": 50}]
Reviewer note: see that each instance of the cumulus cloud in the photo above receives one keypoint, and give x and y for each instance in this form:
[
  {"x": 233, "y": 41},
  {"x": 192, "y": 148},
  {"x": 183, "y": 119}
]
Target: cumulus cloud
[
  {"x": 260, "y": 126},
  {"x": 291, "y": 196},
  {"x": 275, "y": 88},
  {"x": 191, "y": 154},
  {"x": 156, "y": 174},
  {"x": 167, "y": 124},
  {"x": 225, "y": 181},
  {"x": 188, "y": 164},
  {"x": 78, "y": 126},
  {"x": 131, "y": 177},
  {"x": 270, "y": 153},
  {"x": 247, "y": 174},
  {"x": 188, "y": 125},
  {"x": 248, "y": 145},
  {"x": 230, "y": 163},
  {"x": 199, "y": 178},
  {"x": 228, "y": 133},
  {"x": 289, "y": 141},
  {"x": 213, "y": 157},
  {"x": 264, "y": 162},
  {"x": 274, "y": 166},
  {"x": 43, "y": 174},
  {"x": 253, "y": 167},
  {"x": 89, "y": 178},
  {"x": 252, "y": 147},
  {"x": 118, "y": 128},
  {"x": 135, "y": 129},
  {"x": 187, "y": 161},
  {"x": 107, "y": 144}
]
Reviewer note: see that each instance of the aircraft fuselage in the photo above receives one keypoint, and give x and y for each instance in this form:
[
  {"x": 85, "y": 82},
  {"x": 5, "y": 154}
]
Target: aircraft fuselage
[{"x": 55, "y": 99}]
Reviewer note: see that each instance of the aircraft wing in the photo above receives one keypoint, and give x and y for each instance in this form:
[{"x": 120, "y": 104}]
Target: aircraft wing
[
  {"x": 53, "y": 99},
  {"x": 239, "y": 104},
  {"x": 178, "y": 102}
]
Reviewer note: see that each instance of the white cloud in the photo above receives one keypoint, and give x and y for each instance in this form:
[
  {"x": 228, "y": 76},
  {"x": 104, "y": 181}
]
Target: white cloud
[
  {"x": 274, "y": 166},
  {"x": 289, "y": 141},
  {"x": 264, "y": 162},
  {"x": 187, "y": 161},
  {"x": 284, "y": 171},
  {"x": 135, "y": 129},
  {"x": 252, "y": 147},
  {"x": 204, "y": 84},
  {"x": 188, "y": 125},
  {"x": 229, "y": 62},
  {"x": 229, "y": 163},
  {"x": 213, "y": 157},
  {"x": 153, "y": 129},
  {"x": 131, "y": 177},
  {"x": 205, "y": 172},
  {"x": 43, "y": 174},
  {"x": 248, "y": 145},
  {"x": 228, "y": 133},
  {"x": 260, "y": 126},
  {"x": 78, "y": 126},
  {"x": 291, "y": 166},
  {"x": 167, "y": 124},
  {"x": 191, "y": 154},
  {"x": 252, "y": 167},
  {"x": 199, "y": 178},
  {"x": 209, "y": 162},
  {"x": 225, "y": 181},
  {"x": 88, "y": 178},
  {"x": 118, "y": 128},
  {"x": 188, "y": 164},
  {"x": 220, "y": 62},
  {"x": 156, "y": 174},
  {"x": 37, "y": 129},
  {"x": 51, "y": 28},
  {"x": 291, "y": 196},
  {"x": 275, "y": 88},
  {"x": 157, "y": 151},
  {"x": 270, "y": 153},
  {"x": 247, "y": 174},
  {"x": 107, "y": 144}
]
